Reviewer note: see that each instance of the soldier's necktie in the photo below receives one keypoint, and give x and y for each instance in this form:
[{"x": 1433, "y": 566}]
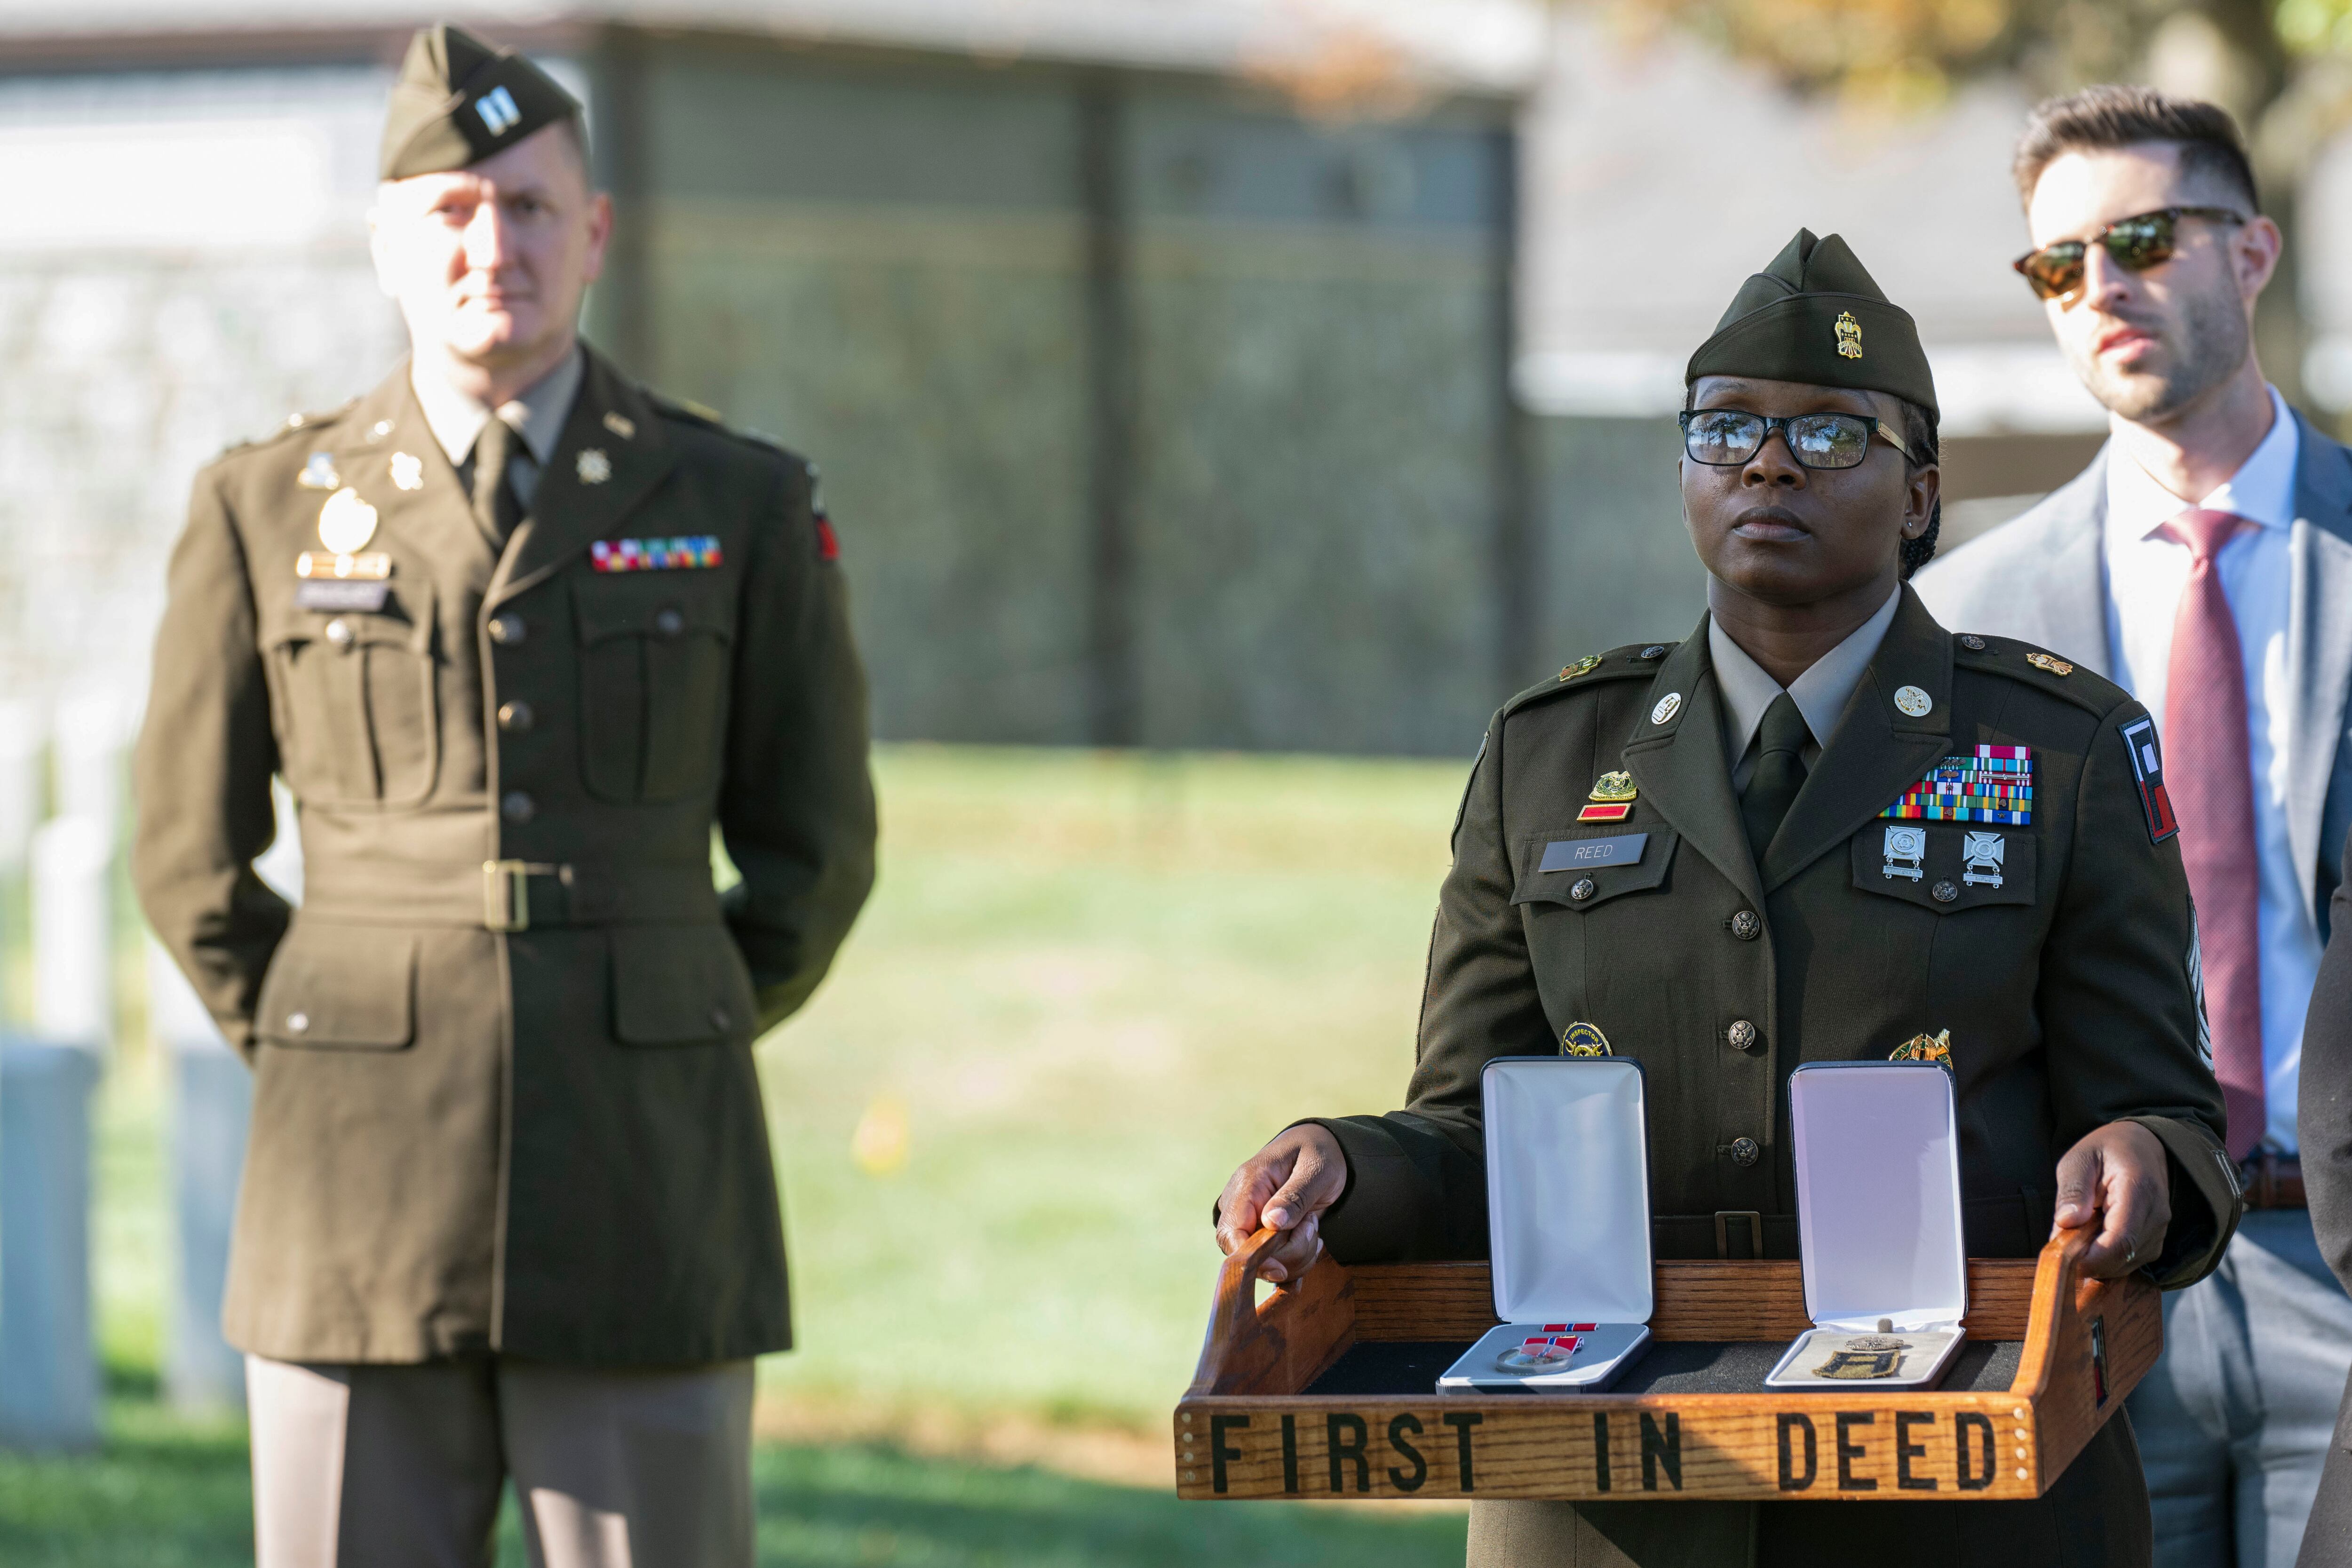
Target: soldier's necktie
[
  {"x": 2209, "y": 773},
  {"x": 496, "y": 510},
  {"x": 1780, "y": 772}
]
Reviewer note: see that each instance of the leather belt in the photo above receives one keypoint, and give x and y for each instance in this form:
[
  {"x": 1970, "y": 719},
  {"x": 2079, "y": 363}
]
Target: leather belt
[
  {"x": 2272, "y": 1181},
  {"x": 510, "y": 895}
]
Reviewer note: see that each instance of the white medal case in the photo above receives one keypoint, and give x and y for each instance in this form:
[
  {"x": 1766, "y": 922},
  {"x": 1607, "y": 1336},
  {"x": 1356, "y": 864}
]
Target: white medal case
[
  {"x": 1568, "y": 1215},
  {"x": 1878, "y": 1150}
]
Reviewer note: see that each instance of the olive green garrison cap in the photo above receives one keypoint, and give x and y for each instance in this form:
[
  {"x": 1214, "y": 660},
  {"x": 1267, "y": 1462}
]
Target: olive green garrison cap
[
  {"x": 1816, "y": 315},
  {"x": 461, "y": 98}
]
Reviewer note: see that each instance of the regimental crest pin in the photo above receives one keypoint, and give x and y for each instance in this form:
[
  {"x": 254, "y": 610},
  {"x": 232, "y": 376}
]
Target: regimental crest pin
[
  {"x": 1614, "y": 787},
  {"x": 1906, "y": 853},
  {"x": 346, "y": 522},
  {"x": 1849, "y": 336},
  {"x": 407, "y": 471},
  {"x": 1935, "y": 1049},
  {"x": 1983, "y": 852},
  {"x": 318, "y": 473},
  {"x": 1583, "y": 1039},
  {"x": 593, "y": 467}
]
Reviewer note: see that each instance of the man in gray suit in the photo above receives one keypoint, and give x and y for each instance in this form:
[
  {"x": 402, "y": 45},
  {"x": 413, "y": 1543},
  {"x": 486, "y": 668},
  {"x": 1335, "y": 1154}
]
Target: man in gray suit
[{"x": 2204, "y": 563}]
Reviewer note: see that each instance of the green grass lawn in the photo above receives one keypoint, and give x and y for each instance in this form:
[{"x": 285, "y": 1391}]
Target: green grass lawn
[{"x": 1087, "y": 986}]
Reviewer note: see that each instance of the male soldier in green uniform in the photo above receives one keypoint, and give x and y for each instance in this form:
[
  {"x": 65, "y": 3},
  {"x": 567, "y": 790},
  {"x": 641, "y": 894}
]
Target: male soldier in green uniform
[
  {"x": 516, "y": 633},
  {"x": 1823, "y": 829}
]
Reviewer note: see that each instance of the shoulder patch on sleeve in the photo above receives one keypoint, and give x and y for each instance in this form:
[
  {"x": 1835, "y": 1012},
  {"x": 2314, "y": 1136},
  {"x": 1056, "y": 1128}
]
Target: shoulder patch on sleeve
[{"x": 2148, "y": 770}]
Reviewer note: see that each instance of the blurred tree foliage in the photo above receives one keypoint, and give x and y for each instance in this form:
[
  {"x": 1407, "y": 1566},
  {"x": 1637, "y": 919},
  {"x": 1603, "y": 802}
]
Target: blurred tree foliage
[{"x": 2282, "y": 67}]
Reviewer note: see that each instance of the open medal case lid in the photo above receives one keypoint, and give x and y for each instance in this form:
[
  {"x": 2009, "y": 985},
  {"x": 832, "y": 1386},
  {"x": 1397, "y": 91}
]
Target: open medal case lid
[
  {"x": 1568, "y": 1189},
  {"x": 1877, "y": 1151}
]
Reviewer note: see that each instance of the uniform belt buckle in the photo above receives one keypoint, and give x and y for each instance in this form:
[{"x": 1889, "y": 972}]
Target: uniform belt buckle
[
  {"x": 1723, "y": 1232},
  {"x": 506, "y": 894}
]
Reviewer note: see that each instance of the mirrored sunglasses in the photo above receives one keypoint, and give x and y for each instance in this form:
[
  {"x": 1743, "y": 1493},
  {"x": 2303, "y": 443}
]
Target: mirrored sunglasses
[{"x": 2136, "y": 243}]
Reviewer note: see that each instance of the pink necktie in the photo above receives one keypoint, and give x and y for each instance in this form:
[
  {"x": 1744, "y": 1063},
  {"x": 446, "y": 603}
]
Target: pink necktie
[{"x": 2210, "y": 776}]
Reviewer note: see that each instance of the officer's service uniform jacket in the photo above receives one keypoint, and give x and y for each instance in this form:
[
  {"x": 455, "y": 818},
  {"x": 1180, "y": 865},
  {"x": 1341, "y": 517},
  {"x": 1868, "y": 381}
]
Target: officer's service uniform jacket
[
  {"x": 505, "y": 1097},
  {"x": 2067, "y": 989}
]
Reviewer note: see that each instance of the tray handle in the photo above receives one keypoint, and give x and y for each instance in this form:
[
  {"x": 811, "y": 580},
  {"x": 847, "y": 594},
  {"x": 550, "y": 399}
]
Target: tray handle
[{"x": 1279, "y": 1347}]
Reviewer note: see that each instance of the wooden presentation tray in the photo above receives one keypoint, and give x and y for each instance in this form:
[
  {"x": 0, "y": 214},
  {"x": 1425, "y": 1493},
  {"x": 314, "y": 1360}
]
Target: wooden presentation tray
[{"x": 1327, "y": 1389}]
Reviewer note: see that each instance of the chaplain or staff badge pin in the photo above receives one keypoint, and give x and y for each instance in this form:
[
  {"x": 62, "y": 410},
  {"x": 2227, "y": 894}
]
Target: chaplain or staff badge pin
[
  {"x": 407, "y": 471},
  {"x": 1906, "y": 850},
  {"x": 346, "y": 522},
  {"x": 1583, "y": 1039}
]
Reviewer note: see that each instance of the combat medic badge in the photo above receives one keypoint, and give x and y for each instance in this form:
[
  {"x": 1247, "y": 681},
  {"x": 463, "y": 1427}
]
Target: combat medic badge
[{"x": 1906, "y": 848}]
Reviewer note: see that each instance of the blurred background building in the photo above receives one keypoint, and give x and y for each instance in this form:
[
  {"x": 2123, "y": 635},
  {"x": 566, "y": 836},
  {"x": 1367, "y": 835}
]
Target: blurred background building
[{"x": 1263, "y": 374}]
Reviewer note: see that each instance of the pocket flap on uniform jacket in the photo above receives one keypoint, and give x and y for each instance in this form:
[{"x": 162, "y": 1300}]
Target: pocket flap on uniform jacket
[
  {"x": 676, "y": 985},
  {"x": 329, "y": 988},
  {"x": 1620, "y": 857},
  {"x": 1950, "y": 868},
  {"x": 651, "y": 604}
]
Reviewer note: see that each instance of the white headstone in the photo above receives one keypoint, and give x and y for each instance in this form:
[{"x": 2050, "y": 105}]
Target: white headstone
[
  {"x": 24, "y": 734},
  {"x": 89, "y": 739},
  {"x": 73, "y": 934}
]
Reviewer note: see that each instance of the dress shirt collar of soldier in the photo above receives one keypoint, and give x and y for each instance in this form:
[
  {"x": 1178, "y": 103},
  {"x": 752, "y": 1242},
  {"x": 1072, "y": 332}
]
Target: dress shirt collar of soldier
[
  {"x": 1820, "y": 693},
  {"x": 537, "y": 413}
]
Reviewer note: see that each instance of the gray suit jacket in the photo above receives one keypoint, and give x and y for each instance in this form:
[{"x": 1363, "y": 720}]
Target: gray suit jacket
[{"x": 2042, "y": 579}]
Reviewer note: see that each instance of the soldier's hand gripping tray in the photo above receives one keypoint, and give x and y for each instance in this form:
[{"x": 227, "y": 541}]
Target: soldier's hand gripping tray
[
  {"x": 1568, "y": 1203},
  {"x": 1878, "y": 1218}
]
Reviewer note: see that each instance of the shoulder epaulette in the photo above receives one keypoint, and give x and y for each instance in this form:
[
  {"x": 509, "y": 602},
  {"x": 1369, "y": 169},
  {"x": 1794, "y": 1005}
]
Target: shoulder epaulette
[
  {"x": 708, "y": 418},
  {"x": 295, "y": 424},
  {"x": 2040, "y": 668},
  {"x": 1634, "y": 659}
]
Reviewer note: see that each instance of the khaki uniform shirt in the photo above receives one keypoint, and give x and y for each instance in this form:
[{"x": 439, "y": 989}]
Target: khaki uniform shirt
[{"x": 504, "y": 1092}]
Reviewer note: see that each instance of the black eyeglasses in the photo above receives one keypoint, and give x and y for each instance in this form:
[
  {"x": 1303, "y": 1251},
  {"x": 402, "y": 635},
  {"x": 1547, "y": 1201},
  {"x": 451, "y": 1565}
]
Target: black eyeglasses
[
  {"x": 1725, "y": 437},
  {"x": 2137, "y": 244}
]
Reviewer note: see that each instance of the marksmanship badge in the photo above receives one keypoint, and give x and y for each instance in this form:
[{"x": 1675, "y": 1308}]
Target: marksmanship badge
[
  {"x": 1983, "y": 852},
  {"x": 1907, "y": 848}
]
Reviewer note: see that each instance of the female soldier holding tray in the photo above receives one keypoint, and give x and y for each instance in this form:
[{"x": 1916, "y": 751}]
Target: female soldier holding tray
[{"x": 1841, "y": 833}]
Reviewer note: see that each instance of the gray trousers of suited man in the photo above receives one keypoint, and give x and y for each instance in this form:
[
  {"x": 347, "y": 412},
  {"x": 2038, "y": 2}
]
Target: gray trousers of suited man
[
  {"x": 401, "y": 1467},
  {"x": 2235, "y": 1420}
]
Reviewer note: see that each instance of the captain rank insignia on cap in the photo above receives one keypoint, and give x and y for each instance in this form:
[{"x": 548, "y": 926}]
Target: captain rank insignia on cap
[
  {"x": 696, "y": 553},
  {"x": 1583, "y": 1039},
  {"x": 318, "y": 473}
]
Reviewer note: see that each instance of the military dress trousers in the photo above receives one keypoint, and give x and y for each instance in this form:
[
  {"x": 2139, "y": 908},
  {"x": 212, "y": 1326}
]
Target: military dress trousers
[
  {"x": 2063, "y": 971},
  {"x": 505, "y": 1098}
]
